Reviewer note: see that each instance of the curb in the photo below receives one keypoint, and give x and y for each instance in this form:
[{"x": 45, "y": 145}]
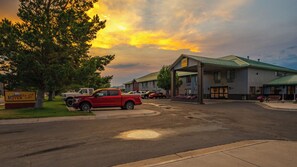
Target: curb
[
  {"x": 75, "y": 118},
  {"x": 191, "y": 154},
  {"x": 44, "y": 120}
]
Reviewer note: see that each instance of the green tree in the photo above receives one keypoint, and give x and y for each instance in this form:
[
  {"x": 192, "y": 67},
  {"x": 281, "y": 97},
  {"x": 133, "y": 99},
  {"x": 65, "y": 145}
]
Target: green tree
[
  {"x": 164, "y": 79},
  {"x": 89, "y": 73},
  {"x": 50, "y": 43}
]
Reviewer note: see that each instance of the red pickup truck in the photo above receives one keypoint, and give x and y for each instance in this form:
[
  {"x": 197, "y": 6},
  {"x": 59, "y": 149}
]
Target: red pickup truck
[{"x": 109, "y": 97}]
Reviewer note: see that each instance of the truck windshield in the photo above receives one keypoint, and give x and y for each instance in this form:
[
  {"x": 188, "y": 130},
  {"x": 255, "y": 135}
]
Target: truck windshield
[{"x": 83, "y": 91}]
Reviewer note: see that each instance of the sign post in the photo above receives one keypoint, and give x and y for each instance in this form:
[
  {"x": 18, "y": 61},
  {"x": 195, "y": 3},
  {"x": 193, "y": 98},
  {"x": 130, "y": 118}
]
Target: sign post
[{"x": 19, "y": 99}]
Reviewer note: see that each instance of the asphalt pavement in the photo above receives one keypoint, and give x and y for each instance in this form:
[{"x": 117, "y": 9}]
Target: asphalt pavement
[{"x": 180, "y": 127}]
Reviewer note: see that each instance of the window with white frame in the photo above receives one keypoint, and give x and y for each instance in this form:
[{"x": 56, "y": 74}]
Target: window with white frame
[{"x": 217, "y": 77}]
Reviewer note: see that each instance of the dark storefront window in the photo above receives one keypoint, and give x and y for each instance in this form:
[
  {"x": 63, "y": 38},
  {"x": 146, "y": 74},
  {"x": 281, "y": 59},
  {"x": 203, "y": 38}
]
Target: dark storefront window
[
  {"x": 291, "y": 90},
  {"x": 272, "y": 90}
]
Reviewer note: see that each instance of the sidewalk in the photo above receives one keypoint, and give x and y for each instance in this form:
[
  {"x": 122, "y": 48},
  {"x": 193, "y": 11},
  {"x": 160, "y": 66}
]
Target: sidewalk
[
  {"x": 279, "y": 105},
  {"x": 254, "y": 153},
  {"x": 111, "y": 114}
]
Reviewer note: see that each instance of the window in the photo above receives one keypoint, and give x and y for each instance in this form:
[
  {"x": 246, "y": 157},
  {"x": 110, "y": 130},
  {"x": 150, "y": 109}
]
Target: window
[
  {"x": 188, "y": 79},
  {"x": 230, "y": 75},
  {"x": 260, "y": 90},
  {"x": 113, "y": 93},
  {"x": 154, "y": 84},
  {"x": 144, "y": 84},
  {"x": 219, "y": 92},
  {"x": 272, "y": 90},
  {"x": 280, "y": 74},
  {"x": 91, "y": 91},
  {"x": 104, "y": 92},
  {"x": 83, "y": 91},
  {"x": 217, "y": 77},
  {"x": 291, "y": 90},
  {"x": 252, "y": 90}
]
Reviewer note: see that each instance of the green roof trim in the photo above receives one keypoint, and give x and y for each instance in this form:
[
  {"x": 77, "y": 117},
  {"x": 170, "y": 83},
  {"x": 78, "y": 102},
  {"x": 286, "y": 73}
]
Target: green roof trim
[
  {"x": 212, "y": 61},
  {"x": 287, "y": 80},
  {"x": 149, "y": 77},
  {"x": 127, "y": 83},
  {"x": 244, "y": 62},
  {"x": 153, "y": 77}
]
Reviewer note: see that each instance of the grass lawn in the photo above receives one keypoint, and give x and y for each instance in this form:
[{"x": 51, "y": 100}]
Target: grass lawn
[{"x": 56, "y": 108}]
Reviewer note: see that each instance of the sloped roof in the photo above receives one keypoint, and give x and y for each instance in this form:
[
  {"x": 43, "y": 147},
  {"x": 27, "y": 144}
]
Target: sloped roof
[
  {"x": 153, "y": 77},
  {"x": 286, "y": 80},
  {"x": 235, "y": 62},
  {"x": 219, "y": 62},
  {"x": 256, "y": 64},
  {"x": 149, "y": 77}
]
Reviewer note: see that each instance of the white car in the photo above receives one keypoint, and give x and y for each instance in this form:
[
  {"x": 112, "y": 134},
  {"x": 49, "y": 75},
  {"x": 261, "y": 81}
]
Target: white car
[{"x": 137, "y": 92}]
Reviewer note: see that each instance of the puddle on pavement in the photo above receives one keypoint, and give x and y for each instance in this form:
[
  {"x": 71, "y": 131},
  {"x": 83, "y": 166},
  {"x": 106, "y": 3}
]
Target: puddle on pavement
[{"x": 139, "y": 135}]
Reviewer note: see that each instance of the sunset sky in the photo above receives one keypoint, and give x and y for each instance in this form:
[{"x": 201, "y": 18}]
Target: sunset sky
[{"x": 147, "y": 34}]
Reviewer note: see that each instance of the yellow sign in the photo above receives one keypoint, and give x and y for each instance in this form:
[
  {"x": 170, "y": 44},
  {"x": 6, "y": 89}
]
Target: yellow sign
[
  {"x": 19, "y": 96},
  {"x": 184, "y": 62}
]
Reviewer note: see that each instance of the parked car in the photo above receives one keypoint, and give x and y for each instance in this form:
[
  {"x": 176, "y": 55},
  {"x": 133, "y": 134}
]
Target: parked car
[
  {"x": 157, "y": 96},
  {"x": 109, "y": 97},
  {"x": 69, "y": 96},
  {"x": 146, "y": 94}
]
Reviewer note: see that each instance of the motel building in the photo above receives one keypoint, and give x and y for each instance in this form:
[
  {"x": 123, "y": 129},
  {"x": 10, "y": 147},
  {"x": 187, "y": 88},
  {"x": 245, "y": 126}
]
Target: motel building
[
  {"x": 149, "y": 83},
  {"x": 231, "y": 77},
  {"x": 144, "y": 83}
]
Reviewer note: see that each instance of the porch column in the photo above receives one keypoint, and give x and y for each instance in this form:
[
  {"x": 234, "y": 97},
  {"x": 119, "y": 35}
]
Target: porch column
[
  {"x": 200, "y": 71},
  {"x": 283, "y": 94},
  {"x": 295, "y": 92},
  {"x": 173, "y": 83}
]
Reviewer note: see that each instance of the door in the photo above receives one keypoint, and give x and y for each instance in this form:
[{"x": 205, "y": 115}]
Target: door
[
  {"x": 114, "y": 98},
  {"x": 219, "y": 92},
  {"x": 100, "y": 99}
]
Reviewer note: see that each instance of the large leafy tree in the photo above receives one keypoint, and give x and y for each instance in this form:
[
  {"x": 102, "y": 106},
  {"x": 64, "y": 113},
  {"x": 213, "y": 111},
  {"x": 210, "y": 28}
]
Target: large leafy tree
[
  {"x": 49, "y": 45},
  {"x": 89, "y": 74},
  {"x": 164, "y": 79}
]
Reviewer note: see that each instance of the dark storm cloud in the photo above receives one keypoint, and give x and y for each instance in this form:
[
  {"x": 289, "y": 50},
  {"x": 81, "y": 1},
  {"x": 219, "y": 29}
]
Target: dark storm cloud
[{"x": 123, "y": 66}]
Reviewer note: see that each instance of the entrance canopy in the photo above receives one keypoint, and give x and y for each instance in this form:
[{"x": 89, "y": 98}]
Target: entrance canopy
[{"x": 287, "y": 80}]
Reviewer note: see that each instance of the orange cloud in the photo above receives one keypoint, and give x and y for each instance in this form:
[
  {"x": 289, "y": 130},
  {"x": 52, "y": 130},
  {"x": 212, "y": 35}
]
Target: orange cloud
[{"x": 123, "y": 27}]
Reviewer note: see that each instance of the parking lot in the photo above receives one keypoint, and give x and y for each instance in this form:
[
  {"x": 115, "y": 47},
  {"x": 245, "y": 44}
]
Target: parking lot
[{"x": 179, "y": 127}]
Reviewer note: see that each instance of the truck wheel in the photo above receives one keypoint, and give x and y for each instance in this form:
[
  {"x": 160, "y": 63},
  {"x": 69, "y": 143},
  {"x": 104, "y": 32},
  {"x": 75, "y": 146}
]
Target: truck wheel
[
  {"x": 129, "y": 105},
  {"x": 69, "y": 102},
  {"x": 85, "y": 107}
]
